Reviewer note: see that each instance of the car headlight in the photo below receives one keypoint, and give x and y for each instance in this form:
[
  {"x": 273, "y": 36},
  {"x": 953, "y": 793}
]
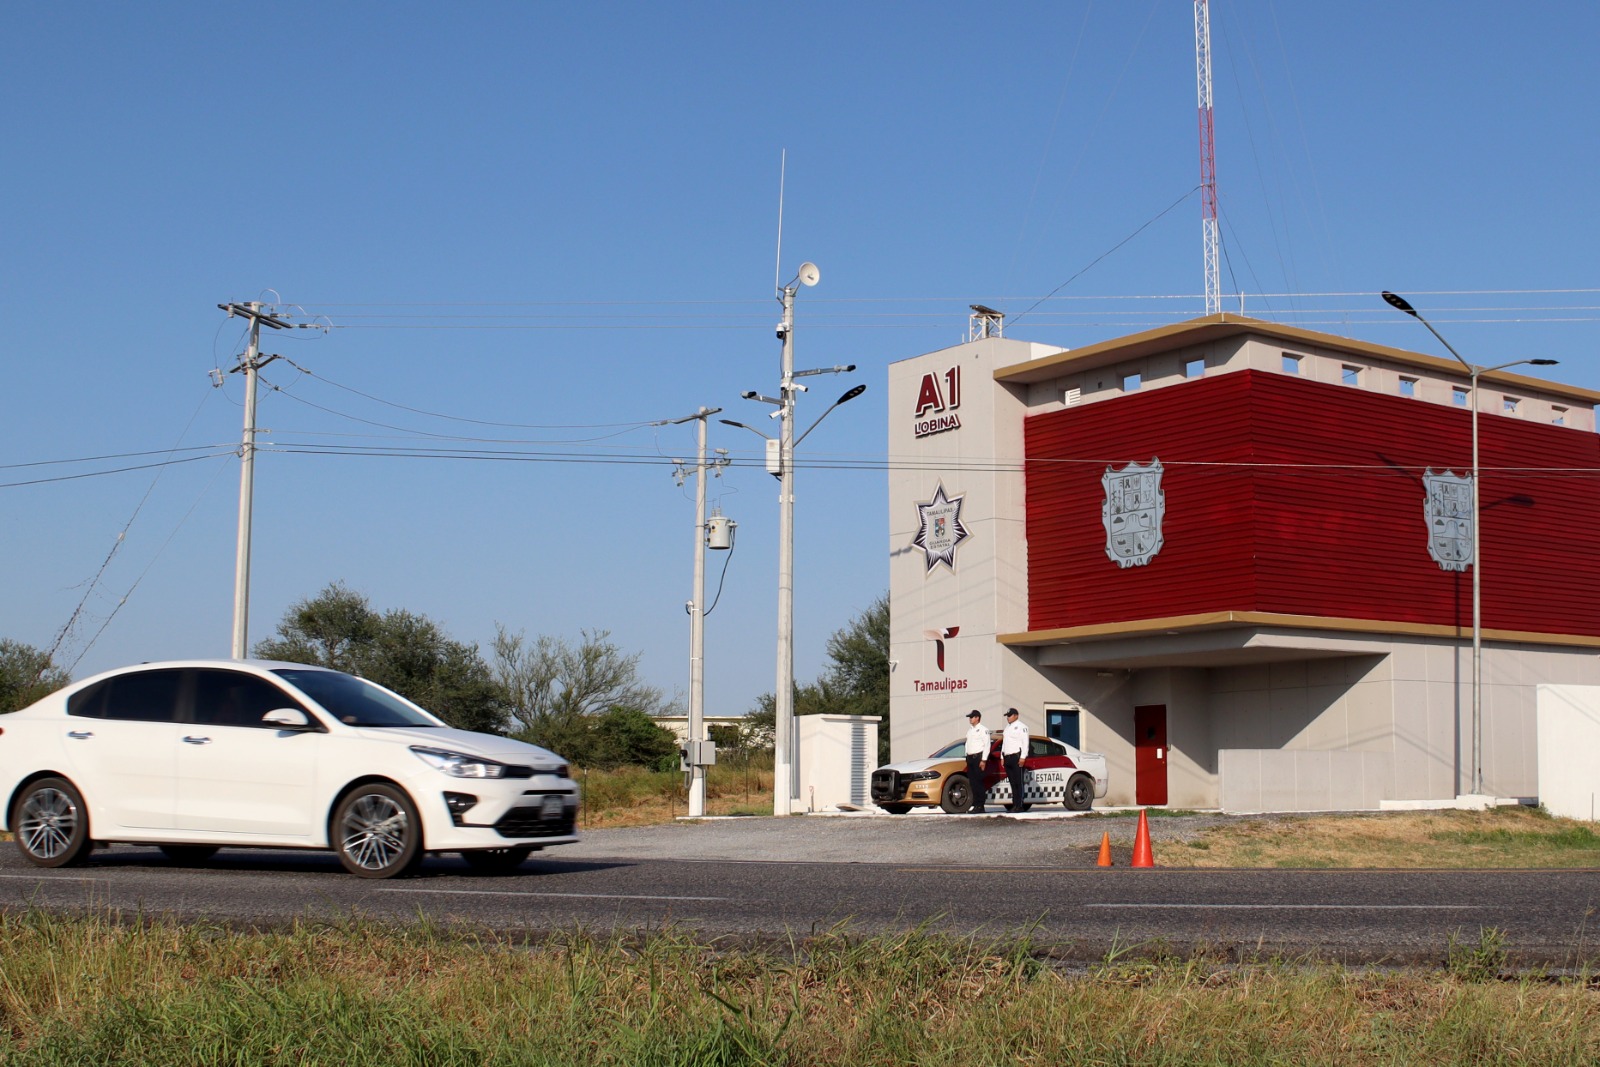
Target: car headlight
[
  {"x": 459, "y": 764},
  {"x": 920, "y": 776}
]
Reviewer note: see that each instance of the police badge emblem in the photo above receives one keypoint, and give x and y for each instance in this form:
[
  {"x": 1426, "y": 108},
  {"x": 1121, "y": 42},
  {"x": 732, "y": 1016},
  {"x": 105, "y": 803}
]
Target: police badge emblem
[
  {"x": 940, "y": 530},
  {"x": 1452, "y": 526},
  {"x": 1132, "y": 513}
]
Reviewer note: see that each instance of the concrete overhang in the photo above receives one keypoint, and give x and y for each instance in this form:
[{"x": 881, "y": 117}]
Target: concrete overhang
[
  {"x": 1235, "y": 638},
  {"x": 1222, "y": 326}
]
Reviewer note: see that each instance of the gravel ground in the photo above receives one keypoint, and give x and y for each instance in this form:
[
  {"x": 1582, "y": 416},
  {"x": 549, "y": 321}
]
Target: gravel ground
[{"x": 1037, "y": 838}]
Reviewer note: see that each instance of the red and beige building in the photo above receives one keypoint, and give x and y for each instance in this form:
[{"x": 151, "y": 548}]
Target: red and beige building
[{"x": 1235, "y": 557}]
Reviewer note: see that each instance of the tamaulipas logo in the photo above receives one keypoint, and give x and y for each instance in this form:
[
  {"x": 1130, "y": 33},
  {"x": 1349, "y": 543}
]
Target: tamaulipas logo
[
  {"x": 939, "y": 529},
  {"x": 945, "y": 684}
]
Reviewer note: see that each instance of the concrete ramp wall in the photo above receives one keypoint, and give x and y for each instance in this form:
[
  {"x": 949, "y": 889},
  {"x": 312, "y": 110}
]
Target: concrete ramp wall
[
  {"x": 1273, "y": 779},
  {"x": 1569, "y": 749}
]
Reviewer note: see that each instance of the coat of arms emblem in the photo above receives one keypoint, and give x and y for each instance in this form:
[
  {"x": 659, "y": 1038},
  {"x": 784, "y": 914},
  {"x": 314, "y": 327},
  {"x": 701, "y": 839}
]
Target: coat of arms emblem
[
  {"x": 1132, "y": 513},
  {"x": 1452, "y": 526}
]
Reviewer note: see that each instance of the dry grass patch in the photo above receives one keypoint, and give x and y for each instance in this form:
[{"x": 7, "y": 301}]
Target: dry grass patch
[
  {"x": 1508, "y": 837},
  {"x": 91, "y": 991},
  {"x": 633, "y": 796}
]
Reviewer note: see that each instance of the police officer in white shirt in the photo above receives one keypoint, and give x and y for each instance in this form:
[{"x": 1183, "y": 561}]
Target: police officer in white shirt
[
  {"x": 977, "y": 755},
  {"x": 1014, "y": 750}
]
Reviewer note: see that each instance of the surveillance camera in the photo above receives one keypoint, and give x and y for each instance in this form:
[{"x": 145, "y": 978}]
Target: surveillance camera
[
  {"x": 749, "y": 394},
  {"x": 782, "y": 329}
]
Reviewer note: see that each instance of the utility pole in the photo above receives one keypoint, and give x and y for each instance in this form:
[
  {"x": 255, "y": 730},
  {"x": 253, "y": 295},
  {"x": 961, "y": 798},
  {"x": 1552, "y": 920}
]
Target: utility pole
[
  {"x": 694, "y": 752},
  {"x": 251, "y": 363}
]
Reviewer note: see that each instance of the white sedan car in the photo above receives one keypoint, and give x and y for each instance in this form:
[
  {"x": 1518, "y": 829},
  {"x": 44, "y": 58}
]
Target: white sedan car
[{"x": 195, "y": 755}]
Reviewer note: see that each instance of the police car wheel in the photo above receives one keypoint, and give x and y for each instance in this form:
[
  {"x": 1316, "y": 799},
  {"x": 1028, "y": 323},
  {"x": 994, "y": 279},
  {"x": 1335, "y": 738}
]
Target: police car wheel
[
  {"x": 957, "y": 796},
  {"x": 1080, "y": 793}
]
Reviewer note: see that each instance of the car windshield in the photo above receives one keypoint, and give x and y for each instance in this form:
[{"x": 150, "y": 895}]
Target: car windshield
[
  {"x": 352, "y": 701},
  {"x": 951, "y": 751}
]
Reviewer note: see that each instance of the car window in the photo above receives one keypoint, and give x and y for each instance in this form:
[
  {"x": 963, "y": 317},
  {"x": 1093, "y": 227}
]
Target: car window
[
  {"x": 354, "y": 701},
  {"x": 142, "y": 696},
  {"x": 89, "y": 703},
  {"x": 951, "y": 751},
  {"x": 230, "y": 698},
  {"x": 1043, "y": 746}
]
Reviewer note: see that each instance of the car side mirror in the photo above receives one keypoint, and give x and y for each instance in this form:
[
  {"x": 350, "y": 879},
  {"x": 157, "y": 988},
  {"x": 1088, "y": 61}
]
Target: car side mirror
[{"x": 287, "y": 719}]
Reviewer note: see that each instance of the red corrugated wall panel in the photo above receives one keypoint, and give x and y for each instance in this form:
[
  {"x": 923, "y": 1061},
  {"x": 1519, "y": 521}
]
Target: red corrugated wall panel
[{"x": 1325, "y": 518}]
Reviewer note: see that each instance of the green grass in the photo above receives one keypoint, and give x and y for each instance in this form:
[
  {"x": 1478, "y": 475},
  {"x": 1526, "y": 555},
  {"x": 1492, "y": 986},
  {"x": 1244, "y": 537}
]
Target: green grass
[{"x": 94, "y": 991}]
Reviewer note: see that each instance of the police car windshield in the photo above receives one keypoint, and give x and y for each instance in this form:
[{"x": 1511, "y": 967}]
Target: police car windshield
[
  {"x": 352, "y": 701},
  {"x": 951, "y": 751}
]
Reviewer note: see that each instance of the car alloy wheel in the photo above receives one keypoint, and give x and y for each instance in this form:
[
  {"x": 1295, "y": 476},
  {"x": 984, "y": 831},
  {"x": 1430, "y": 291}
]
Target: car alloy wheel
[
  {"x": 1080, "y": 793},
  {"x": 377, "y": 832},
  {"x": 51, "y": 824},
  {"x": 957, "y": 796}
]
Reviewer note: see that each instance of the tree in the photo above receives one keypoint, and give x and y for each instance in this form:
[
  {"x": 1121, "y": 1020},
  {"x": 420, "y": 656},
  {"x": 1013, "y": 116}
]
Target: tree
[
  {"x": 399, "y": 650},
  {"x": 855, "y": 683},
  {"x": 628, "y": 737},
  {"x": 557, "y": 692},
  {"x": 26, "y": 675}
]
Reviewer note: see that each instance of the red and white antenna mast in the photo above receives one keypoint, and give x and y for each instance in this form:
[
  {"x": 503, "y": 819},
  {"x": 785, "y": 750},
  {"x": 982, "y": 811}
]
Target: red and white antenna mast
[{"x": 1208, "y": 156}]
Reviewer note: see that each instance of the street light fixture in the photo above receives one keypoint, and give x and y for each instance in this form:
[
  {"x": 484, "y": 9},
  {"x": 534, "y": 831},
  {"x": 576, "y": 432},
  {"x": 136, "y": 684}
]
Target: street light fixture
[
  {"x": 1474, "y": 372},
  {"x": 785, "y": 765}
]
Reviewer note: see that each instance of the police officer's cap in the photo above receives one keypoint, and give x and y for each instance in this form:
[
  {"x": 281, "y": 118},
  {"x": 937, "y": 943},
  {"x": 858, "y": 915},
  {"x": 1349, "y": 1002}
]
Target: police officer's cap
[
  {"x": 974, "y": 714},
  {"x": 1010, "y": 712}
]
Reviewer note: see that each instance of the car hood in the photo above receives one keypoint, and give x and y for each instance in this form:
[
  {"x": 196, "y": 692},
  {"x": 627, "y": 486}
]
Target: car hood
[
  {"x": 912, "y": 765},
  {"x": 502, "y": 749}
]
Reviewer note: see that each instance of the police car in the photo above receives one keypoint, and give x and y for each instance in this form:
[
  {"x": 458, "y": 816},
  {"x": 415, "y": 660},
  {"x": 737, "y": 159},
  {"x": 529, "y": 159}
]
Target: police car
[{"x": 1055, "y": 773}]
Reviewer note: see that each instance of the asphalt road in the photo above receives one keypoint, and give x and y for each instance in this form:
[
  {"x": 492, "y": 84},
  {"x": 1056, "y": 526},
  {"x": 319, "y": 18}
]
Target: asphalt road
[{"x": 753, "y": 879}]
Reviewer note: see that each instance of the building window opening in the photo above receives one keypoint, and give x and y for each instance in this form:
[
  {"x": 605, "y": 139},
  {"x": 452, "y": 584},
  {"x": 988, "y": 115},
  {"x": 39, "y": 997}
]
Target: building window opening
[
  {"x": 1558, "y": 416},
  {"x": 1131, "y": 382},
  {"x": 1508, "y": 405},
  {"x": 1291, "y": 364},
  {"x": 1350, "y": 375},
  {"x": 1408, "y": 387},
  {"x": 1194, "y": 368},
  {"x": 1064, "y": 725},
  {"x": 1458, "y": 396}
]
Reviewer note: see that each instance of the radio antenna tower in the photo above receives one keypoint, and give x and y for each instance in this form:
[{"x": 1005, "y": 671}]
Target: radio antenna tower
[{"x": 1208, "y": 156}]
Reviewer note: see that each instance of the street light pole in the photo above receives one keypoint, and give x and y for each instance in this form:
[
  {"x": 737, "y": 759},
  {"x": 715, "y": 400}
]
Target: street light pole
[
  {"x": 785, "y": 762},
  {"x": 1474, "y": 372}
]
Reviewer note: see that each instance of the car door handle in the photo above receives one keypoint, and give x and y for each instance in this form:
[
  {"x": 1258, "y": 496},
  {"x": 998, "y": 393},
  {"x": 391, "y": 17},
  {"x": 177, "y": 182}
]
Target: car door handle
[
  {"x": 79, "y": 735},
  {"x": 197, "y": 740}
]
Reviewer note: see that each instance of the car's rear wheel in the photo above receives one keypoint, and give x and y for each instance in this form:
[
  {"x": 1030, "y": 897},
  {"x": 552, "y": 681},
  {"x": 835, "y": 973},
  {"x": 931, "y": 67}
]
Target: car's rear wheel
[
  {"x": 51, "y": 824},
  {"x": 496, "y": 860},
  {"x": 957, "y": 796},
  {"x": 895, "y": 809},
  {"x": 1080, "y": 793},
  {"x": 188, "y": 853},
  {"x": 377, "y": 832}
]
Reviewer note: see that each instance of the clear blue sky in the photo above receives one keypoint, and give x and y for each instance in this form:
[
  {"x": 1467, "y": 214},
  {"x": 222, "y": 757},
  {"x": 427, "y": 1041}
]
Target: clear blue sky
[{"x": 562, "y": 218}]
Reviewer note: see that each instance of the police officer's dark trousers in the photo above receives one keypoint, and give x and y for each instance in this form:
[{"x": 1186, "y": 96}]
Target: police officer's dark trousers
[{"x": 975, "y": 779}]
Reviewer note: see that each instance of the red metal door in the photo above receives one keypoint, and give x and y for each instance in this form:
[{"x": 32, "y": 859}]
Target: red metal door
[{"x": 1150, "y": 754}]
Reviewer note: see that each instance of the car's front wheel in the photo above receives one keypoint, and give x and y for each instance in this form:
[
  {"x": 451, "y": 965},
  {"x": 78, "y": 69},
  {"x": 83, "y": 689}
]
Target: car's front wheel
[
  {"x": 957, "y": 796},
  {"x": 51, "y": 824},
  {"x": 1080, "y": 793},
  {"x": 496, "y": 860},
  {"x": 377, "y": 832}
]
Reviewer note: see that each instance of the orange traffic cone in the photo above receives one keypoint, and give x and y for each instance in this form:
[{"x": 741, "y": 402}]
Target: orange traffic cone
[
  {"x": 1105, "y": 851},
  {"x": 1142, "y": 856}
]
